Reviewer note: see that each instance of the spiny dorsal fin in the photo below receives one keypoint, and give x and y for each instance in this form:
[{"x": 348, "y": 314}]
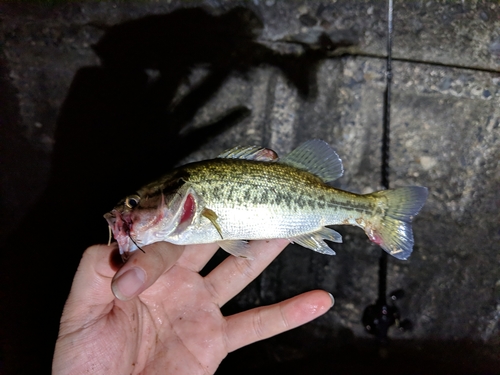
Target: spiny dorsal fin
[
  {"x": 316, "y": 156},
  {"x": 249, "y": 153}
]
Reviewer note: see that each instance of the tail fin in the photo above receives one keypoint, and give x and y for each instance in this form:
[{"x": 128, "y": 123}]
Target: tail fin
[{"x": 393, "y": 231}]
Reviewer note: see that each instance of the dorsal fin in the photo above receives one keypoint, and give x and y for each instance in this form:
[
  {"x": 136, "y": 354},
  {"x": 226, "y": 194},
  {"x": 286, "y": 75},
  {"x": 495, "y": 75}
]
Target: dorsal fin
[
  {"x": 249, "y": 153},
  {"x": 317, "y": 157}
]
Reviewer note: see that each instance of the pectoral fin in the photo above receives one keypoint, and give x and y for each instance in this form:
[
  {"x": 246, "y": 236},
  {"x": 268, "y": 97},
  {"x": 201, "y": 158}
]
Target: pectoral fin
[
  {"x": 212, "y": 216},
  {"x": 238, "y": 248},
  {"x": 315, "y": 241}
]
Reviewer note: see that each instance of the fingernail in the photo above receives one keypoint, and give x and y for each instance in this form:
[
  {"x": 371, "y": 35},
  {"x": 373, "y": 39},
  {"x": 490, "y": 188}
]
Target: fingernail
[
  {"x": 332, "y": 298},
  {"x": 127, "y": 285}
]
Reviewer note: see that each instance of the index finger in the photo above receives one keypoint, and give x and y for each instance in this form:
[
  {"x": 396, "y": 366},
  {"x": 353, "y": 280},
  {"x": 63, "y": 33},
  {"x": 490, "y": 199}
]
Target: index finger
[
  {"x": 233, "y": 274},
  {"x": 143, "y": 269}
]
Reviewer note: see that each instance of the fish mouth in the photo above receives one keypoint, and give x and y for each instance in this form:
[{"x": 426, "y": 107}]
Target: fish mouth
[
  {"x": 121, "y": 226},
  {"x": 115, "y": 221},
  {"x": 132, "y": 229}
]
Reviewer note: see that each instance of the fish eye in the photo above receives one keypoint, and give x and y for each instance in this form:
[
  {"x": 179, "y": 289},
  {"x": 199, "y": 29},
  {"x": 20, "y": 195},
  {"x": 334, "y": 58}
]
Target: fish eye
[{"x": 132, "y": 201}]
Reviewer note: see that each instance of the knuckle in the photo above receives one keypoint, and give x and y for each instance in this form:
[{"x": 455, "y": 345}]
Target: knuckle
[{"x": 258, "y": 325}]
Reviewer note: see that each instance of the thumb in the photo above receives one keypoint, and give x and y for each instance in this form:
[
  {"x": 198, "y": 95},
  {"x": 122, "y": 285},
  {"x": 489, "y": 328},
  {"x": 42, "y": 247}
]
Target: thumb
[{"x": 143, "y": 269}]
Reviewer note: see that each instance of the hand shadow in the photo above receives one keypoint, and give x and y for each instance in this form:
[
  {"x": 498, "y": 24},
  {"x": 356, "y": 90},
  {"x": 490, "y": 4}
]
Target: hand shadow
[{"x": 117, "y": 129}]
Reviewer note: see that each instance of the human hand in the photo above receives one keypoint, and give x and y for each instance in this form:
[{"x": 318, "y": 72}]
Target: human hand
[{"x": 166, "y": 317}]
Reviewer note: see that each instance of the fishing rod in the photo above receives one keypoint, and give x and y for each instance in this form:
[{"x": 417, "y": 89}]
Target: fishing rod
[{"x": 379, "y": 317}]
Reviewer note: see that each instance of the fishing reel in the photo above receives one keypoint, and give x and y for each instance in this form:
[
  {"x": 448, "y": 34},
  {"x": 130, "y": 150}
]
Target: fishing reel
[{"x": 378, "y": 318}]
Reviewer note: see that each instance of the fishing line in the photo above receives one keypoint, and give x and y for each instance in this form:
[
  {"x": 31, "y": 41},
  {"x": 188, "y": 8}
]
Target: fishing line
[{"x": 135, "y": 243}]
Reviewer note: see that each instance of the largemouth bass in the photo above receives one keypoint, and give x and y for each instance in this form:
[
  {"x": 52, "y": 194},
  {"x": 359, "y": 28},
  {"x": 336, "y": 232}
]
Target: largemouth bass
[{"x": 249, "y": 193}]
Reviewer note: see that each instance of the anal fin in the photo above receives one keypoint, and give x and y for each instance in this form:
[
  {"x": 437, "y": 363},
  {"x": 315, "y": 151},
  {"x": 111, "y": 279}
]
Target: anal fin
[{"x": 315, "y": 240}]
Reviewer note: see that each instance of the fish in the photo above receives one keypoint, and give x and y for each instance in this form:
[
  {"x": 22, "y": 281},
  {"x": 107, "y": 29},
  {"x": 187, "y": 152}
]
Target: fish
[{"x": 249, "y": 193}]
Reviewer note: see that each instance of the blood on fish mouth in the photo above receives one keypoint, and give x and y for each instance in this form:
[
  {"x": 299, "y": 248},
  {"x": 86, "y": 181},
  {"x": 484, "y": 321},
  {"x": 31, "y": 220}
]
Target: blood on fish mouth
[{"x": 118, "y": 223}]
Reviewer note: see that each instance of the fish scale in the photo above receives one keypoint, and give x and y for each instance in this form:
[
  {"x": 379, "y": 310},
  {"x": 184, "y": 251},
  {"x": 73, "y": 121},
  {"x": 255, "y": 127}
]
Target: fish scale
[{"x": 256, "y": 188}]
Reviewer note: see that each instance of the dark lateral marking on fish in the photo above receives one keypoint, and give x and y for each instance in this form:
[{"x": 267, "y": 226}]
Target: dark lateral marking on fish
[
  {"x": 256, "y": 199},
  {"x": 264, "y": 198},
  {"x": 216, "y": 193},
  {"x": 311, "y": 203},
  {"x": 361, "y": 207},
  {"x": 299, "y": 201},
  {"x": 277, "y": 198},
  {"x": 229, "y": 193},
  {"x": 321, "y": 201},
  {"x": 247, "y": 194}
]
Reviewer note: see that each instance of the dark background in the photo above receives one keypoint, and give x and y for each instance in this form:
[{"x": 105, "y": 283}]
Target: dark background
[{"x": 98, "y": 98}]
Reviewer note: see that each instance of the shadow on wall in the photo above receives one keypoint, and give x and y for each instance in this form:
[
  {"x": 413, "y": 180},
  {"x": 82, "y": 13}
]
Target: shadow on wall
[{"x": 117, "y": 129}]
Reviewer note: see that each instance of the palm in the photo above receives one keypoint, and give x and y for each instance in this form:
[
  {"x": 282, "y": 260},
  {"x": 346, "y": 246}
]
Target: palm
[{"x": 176, "y": 325}]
